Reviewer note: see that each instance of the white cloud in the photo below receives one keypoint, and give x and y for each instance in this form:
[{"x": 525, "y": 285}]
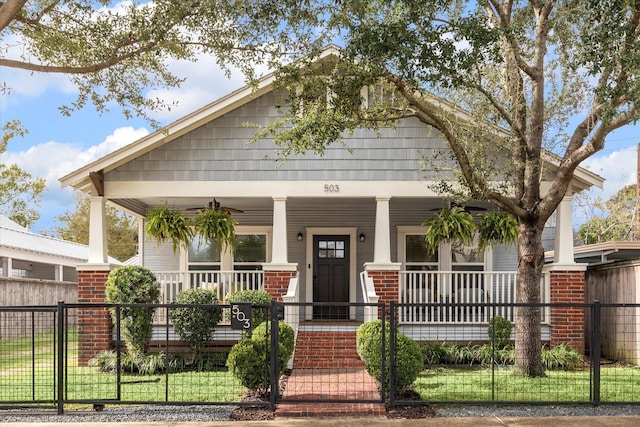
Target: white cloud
[
  {"x": 619, "y": 169},
  {"x": 52, "y": 160}
]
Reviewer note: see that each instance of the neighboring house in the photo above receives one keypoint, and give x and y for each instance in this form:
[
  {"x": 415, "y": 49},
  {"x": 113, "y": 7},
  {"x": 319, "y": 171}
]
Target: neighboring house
[
  {"x": 28, "y": 255},
  {"x": 342, "y": 227}
]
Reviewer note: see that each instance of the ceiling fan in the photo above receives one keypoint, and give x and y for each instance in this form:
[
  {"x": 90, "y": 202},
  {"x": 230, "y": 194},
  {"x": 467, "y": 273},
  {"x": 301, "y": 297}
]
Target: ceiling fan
[
  {"x": 214, "y": 204},
  {"x": 468, "y": 208}
]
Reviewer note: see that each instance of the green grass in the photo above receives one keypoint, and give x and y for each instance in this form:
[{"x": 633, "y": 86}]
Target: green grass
[
  {"x": 23, "y": 379},
  {"x": 618, "y": 384}
]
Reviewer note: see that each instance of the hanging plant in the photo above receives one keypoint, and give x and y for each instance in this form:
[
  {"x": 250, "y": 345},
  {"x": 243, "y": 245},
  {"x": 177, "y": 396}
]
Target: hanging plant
[
  {"x": 164, "y": 224},
  {"x": 496, "y": 228},
  {"x": 216, "y": 225},
  {"x": 450, "y": 224}
]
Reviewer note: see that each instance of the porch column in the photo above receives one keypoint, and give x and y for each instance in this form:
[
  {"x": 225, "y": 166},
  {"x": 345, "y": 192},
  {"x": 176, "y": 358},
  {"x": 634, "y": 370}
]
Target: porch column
[
  {"x": 98, "y": 231},
  {"x": 563, "y": 251},
  {"x": 7, "y": 266},
  {"x": 59, "y": 272},
  {"x": 279, "y": 272},
  {"x": 384, "y": 273},
  {"x": 567, "y": 323},
  {"x": 382, "y": 243}
]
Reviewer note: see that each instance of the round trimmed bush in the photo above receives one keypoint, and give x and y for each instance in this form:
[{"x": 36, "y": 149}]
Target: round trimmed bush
[
  {"x": 196, "y": 325},
  {"x": 249, "y": 359},
  {"x": 286, "y": 336},
  {"x": 133, "y": 284},
  {"x": 408, "y": 355}
]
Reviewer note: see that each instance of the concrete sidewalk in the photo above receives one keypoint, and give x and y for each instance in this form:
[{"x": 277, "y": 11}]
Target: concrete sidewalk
[{"x": 625, "y": 421}]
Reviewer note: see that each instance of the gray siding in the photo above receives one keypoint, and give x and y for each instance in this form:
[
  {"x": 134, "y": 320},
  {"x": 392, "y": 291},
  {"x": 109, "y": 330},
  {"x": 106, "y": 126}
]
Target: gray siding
[{"x": 221, "y": 151}]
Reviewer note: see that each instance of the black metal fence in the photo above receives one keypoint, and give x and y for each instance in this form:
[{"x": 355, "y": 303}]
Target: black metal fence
[{"x": 40, "y": 363}]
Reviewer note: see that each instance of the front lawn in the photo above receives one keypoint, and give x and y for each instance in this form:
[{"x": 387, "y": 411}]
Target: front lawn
[{"x": 481, "y": 384}]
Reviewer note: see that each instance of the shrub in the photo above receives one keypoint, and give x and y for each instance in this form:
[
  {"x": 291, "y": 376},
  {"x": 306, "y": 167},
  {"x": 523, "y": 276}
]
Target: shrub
[
  {"x": 262, "y": 297},
  {"x": 487, "y": 354},
  {"x": 561, "y": 357},
  {"x": 499, "y": 331},
  {"x": 132, "y": 363},
  {"x": 286, "y": 336},
  {"x": 408, "y": 355},
  {"x": 133, "y": 284},
  {"x": 249, "y": 359},
  {"x": 432, "y": 353},
  {"x": 196, "y": 325}
]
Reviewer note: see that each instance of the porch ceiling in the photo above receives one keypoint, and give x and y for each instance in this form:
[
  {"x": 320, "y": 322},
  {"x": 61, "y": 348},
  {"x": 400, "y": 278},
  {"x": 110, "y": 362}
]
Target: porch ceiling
[{"x": 294, "y": 204}]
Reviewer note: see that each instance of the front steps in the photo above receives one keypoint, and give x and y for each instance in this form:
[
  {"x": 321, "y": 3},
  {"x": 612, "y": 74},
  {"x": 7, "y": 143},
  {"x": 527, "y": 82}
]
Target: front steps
[{"x": 328, "y": 378}]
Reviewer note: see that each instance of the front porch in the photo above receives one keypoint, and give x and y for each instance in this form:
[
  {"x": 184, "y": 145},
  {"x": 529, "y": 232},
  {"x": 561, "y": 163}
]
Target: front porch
[{"x": 451, "y": 297}]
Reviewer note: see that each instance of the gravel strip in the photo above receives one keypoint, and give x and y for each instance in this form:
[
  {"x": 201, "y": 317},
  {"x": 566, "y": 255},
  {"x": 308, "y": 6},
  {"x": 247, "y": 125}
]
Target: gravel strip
[
  {"x": 222, "y": 413},
  {"x": 121, "y": 414}
]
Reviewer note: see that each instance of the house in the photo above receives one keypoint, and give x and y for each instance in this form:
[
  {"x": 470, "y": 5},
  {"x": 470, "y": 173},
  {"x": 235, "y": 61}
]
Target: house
[
  {"x": 342, "y": 227},
  {"x": 29, "y": 255}
]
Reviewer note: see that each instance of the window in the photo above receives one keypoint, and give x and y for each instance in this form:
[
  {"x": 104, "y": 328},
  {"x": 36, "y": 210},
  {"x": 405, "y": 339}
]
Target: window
[
  {"x": 251, "y": 252},
  {"x": 204, "y": 255},
  {"x": 331, "y": 249},
  {"x": 416, "y": 255}
]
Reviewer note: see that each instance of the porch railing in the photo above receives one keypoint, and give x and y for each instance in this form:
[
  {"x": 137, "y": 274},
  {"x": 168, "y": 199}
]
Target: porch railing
[
  {"x": 452, "y": 292},
  {"x": 221, "y": 282}
]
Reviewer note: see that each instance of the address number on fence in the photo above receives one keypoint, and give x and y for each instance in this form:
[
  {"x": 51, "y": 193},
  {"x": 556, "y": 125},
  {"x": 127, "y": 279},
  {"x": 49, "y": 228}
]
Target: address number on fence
[{"x": 241, "y": 316}]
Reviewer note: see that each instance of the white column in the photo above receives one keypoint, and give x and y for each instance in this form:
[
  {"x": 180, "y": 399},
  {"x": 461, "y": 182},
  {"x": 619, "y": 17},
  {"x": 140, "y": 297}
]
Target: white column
[
  {"x": 97, "y": 231},
  {"x": 7, "y": 266},
  {"x": 382, "y": 243},
  {"x": 279, "y": 244},
  {"x": 59, "y": 273},
  {"x": 563, "y": 251}
]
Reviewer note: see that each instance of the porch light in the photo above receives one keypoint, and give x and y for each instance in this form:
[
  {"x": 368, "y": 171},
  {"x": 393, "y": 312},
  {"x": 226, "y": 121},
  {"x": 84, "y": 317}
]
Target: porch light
[
  {"x": 300, "y": 236},
  {"x": 362, "y": 237}
]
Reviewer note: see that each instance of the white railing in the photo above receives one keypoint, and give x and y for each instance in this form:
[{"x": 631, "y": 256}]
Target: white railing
[
  {"x": 369, "y": 296},
  {"x": 458, "y": 291},
  {"x": 221, "y": 282}
]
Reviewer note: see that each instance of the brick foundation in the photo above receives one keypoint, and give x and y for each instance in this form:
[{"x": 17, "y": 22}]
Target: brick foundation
[
  {"x": 94, "y": 324},
  {"x": 277, "y": 282},
  {"x": 386, "y": 283},
  {"x": 568, "y": 323}
]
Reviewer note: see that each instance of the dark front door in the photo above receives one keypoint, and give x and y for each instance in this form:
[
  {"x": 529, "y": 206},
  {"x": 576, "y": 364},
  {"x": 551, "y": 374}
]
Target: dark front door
[{"x": 331, "y": 276}]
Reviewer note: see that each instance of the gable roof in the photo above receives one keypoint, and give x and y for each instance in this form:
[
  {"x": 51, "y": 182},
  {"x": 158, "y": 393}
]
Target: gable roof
[{"x": 80, "y": 178}]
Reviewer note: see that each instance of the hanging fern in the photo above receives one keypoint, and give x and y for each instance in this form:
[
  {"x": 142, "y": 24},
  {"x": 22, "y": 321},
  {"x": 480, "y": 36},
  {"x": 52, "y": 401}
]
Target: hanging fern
[
  {"x": 450, "y": 224},
  {"x": 497, "y": 228},
  {"x": 216, "y": 225},
  {"x": 164, "y": 224}
]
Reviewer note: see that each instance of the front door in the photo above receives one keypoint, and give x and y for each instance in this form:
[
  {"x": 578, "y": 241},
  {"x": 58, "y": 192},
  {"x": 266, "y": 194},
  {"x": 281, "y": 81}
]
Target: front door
[{"x": 330, "y": 276}]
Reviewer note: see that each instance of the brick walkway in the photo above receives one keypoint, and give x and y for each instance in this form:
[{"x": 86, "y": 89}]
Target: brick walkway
[{"x": 315, "y": 385}]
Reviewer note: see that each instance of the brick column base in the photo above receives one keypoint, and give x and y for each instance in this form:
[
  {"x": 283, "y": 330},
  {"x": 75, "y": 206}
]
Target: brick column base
[
  {"x": 386, "y": 283},
  {"x": 94, "y": 323},
  {"x": 277, "y": 282},
  {"x": 568, "y": 323}
]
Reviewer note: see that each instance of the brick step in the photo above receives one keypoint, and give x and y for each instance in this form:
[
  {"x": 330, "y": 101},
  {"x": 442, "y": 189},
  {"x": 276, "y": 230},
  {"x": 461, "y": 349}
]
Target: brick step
[
  {"x": 326, "y": 409},
  {"x": 317, "y": 349}
]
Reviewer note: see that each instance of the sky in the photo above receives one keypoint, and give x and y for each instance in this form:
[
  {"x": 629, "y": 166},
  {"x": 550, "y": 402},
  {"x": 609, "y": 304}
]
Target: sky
[{"x": 57, "y": 145}]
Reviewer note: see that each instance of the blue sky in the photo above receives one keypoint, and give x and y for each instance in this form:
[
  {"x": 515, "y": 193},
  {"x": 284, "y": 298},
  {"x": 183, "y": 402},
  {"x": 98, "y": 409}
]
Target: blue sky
[{"x": 57, "y": 145}]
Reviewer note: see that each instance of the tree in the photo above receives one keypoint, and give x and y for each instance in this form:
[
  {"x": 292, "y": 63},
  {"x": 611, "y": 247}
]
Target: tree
[
  {"x": 122, "y": 229},
  {"x": 617, "y": 221},
  {"x": 490, "y": 77},
  {"x": 113, "y": 52},
  {"x": 20, "y": 192}
]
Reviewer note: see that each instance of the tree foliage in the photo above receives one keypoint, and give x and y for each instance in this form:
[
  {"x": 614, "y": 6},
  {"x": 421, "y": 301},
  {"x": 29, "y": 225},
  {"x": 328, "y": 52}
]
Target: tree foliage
[
  {"x": 617, "y": 218},
  {"x": 122, "y": 229},
  {"x": 113, "y": 51},
  {"x": 20, "y": 192},
  {"x": 499, "y": 80}
]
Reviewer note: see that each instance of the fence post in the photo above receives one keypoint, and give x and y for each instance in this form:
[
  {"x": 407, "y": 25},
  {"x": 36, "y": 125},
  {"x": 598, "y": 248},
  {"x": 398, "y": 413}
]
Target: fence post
[
  {"x": 276, "y": 308},
  {"x": 596, "y": 353},
  {"x": 392, "y": 354},
  {"x": 61, "y": 361}
]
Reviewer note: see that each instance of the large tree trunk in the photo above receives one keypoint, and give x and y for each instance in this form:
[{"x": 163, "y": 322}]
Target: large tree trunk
[{"x": 528, "y": 360}]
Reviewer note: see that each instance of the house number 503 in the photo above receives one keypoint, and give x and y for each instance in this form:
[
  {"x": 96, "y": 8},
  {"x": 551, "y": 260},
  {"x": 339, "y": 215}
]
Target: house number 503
[{"x": 331, "y": 188}]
